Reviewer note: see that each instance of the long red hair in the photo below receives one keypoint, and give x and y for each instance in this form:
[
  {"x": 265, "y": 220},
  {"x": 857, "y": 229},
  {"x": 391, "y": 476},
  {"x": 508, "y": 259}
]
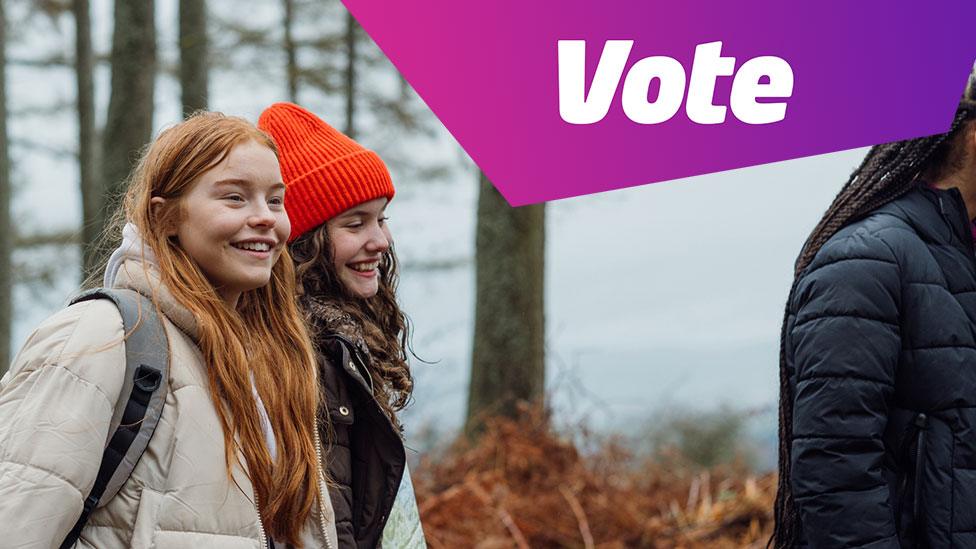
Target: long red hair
[{"x": 265, "y": 335}]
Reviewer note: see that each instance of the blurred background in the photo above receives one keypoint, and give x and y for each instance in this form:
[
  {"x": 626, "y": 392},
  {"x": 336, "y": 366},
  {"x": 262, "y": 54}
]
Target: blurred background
[{"x": 646, "y": 320}]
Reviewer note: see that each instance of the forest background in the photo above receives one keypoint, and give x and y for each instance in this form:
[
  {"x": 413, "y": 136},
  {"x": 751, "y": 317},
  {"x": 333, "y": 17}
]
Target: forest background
[{"x": 647, "y": 319}]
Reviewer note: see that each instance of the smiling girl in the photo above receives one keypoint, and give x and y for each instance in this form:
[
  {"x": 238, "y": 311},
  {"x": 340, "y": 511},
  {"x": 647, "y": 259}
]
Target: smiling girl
[
  {"x": 347, "y": 276},
  {"x": 234, "y": 459}
]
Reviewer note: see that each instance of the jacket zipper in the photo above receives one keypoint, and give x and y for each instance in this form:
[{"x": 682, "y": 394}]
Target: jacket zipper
[
  {"x": 921, "y": 422},
  {"x": 910, "y": 456},
  {"x": 262, "y": 535},
  {"x": 318, "y": 468},
  {"x": 321, "y": 477}
]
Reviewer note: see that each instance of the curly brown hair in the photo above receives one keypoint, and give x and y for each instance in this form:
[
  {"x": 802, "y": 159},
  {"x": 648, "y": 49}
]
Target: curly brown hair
[{"x": 383, "y": 326}]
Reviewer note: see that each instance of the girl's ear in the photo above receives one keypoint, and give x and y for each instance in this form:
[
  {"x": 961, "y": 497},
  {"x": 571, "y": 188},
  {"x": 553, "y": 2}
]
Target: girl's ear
[{"x": 158, "y": 203}]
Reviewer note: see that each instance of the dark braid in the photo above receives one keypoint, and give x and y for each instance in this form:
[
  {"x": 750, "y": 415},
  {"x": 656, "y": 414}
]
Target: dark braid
[{"x": 887, "y": 172}]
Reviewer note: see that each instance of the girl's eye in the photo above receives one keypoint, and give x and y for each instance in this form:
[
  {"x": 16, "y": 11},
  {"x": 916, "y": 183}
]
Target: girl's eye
[
  {"x": 383, "y": 220},
  {"x": 354, "y": 224},
  {"x": 276, "y": 200},
  {"x": 234, "y": 198}
]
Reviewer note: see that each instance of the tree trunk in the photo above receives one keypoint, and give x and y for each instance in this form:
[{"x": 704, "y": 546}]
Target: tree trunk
[
  {"x": 90, "y": 190},
  {"x": 291, "y": 51},
  {"x": 194, "y": 55},
  {"x": 130, "y": 109},
  {"x": 351, "y": 40},
  {"x": 508, "y": 357},
  {"x": 6, "y": 240}
]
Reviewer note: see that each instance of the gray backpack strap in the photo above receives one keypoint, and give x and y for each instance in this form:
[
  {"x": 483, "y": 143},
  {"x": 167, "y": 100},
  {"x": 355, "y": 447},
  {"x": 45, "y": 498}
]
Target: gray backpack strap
[{"x": 145, "y": 387}]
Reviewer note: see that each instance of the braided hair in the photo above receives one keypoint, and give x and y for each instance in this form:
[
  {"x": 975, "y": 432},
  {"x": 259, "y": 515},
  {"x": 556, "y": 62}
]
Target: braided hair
[{"x": 887, "y": 172}]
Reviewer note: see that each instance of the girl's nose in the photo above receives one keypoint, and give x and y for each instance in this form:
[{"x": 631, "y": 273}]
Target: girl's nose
[
  {"x": 262, "y": 216},
  {"x": 378, "y": 240}
]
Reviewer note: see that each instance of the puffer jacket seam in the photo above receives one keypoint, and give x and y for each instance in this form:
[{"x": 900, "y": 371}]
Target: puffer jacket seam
[
  {"x": 876, "y": 540},
  {"x": 937, "y": 284},
  {"x": 937, "y": 347},
  {"x": 28, "y": 372},
  {"x": 875, "y": 233},
  {"x": 56, "y": 360},
  {"x": 901, "y": 285},
  {"x": 814, "y": 267},
  {"x": 902, "y": 225},
  {"x": 77, "y": 377},
  {"x": 125, "y": 528},
  {"x": 845, "y": 376},
  {"x": 74, "y": 331},
  {"x": 800, "y": 322},
  {"x": 894, "y": 256},
  {"x": 926, "y": 241},
  {"x": 953, "y": 407},
  {"x": 202, "y": 533},
  {"x": 836, "y": 437},
  {"x": 189, "y": 386},
  {"x": 53, "y": 474},
  {"x": 847, "y": 491}
]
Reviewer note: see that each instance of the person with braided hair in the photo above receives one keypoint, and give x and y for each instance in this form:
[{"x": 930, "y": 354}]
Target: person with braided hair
[{"x": 878, "y": 355}]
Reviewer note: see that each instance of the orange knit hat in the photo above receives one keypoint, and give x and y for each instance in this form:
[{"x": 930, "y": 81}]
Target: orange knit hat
[{"x": 326, "y": 172}]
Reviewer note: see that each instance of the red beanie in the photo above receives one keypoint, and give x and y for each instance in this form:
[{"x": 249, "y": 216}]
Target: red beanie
[{"x": 326, "y": 172}]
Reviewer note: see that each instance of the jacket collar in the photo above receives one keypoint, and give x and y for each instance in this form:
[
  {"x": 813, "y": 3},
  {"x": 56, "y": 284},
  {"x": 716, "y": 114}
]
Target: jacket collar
[
  {"x": 949, "y": 206},
  {"x": 145, "y": 279}
]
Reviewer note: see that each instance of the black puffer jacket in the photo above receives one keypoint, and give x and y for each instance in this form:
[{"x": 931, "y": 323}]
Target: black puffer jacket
[{"x": 881, "y": 357}]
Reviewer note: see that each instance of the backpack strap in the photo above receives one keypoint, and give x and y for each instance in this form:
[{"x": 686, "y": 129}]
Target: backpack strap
[{"x": 146, "y": 383}]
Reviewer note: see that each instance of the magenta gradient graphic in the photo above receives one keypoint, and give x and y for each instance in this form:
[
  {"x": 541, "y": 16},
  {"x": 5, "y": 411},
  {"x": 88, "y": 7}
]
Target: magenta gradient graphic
[{"x": 865, "y": 72}]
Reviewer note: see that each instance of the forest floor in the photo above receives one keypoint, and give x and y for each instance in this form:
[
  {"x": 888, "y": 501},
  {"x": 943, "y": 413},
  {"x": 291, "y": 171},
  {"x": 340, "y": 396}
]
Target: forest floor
[{"x": 523, "y": 484}]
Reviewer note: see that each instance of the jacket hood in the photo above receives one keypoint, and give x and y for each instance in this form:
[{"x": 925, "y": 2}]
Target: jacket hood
[{"x": 145, "y": 279}]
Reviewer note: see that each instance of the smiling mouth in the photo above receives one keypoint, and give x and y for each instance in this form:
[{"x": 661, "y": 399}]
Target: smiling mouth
[
  {"x": 253, "y": 246},
  {"x": 365, "y": 267}
]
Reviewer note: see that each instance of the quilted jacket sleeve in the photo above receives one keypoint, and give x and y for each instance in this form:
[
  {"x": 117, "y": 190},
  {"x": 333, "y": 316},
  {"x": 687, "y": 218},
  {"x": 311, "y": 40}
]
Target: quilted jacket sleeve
[
  {"x": 56, "y": 404},
  {"x": 844, "y": 343}
]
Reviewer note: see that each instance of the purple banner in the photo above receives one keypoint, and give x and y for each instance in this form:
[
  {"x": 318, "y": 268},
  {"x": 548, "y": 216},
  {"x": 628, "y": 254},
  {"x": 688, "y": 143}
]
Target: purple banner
[{"x": 849, "y": 74}]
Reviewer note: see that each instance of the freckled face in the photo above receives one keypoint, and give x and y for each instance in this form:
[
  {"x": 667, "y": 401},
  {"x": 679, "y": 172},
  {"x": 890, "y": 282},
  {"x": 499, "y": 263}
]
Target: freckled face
[
  {"x": 234, "y": 224},
  {"x": 359, "y": 237}
]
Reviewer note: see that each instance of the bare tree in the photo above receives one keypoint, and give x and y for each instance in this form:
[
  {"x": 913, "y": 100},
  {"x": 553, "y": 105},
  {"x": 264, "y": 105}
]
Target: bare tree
[
  {"x": 90, "y": 190},
  {"x": 508, "y": 356},
  {"x": 6, "y": 240},
  {"x": 351, "y": 39},
  {"x": 347, "y": 85},
  {"x": 130, "y": 109},
  {"x": 194, "y": 55},
  {"x": 291, "y": 50}
]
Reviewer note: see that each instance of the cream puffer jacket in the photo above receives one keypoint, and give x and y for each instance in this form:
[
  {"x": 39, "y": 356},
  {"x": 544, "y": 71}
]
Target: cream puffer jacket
[{"x": 56, "y": 403}]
